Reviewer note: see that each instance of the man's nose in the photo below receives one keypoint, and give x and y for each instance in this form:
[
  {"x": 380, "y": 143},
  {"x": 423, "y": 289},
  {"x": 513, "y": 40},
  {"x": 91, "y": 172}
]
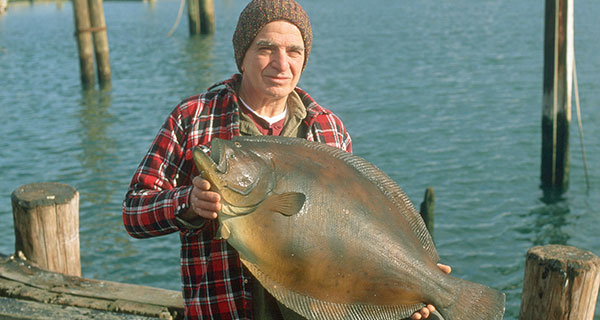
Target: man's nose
[{"x": 279, "y": 60}]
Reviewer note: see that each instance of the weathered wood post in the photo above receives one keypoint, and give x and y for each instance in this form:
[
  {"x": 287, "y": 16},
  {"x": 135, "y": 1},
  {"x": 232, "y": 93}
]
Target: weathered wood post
[
  {"x": 560, "y": 283},
  {"x": 3, "y": 5},
  {"x": 84, "y": 42},
  {"x": 194, "y": 16},
  {"x": 556, "y": 100},
  {"x": 201, "y": 16},
  {"x": 427, "y": 207},
  {"x": 46, "y": 222},
  {"x": 207, "y": 16},
  {"x": 98, "y": 28}
]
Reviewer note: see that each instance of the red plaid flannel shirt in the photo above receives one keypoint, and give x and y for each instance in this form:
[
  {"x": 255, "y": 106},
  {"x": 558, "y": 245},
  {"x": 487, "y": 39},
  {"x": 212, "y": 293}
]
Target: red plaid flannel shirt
[{"x": 215, "y": 285}]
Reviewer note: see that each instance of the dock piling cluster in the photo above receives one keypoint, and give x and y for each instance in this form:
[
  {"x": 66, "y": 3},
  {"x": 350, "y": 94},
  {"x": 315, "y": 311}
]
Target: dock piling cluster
[
  {"x": 201, "y": 16},
  {"x": 90, "y": 24}
]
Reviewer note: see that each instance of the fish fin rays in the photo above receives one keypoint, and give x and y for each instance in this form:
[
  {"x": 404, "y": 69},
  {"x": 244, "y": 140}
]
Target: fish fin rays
[
  {"x": 414, "y": 219},
  {"x": 315, "y": 309},
  {"x": 288, "y": 203},
  {"x": 400, "y": 199},
  {"x": 475, "y": 301}
]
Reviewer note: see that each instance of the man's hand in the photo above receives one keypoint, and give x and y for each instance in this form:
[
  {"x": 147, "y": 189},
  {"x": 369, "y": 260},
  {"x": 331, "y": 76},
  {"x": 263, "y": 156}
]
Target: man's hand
[
  {"x": 203, "y": 203},
  {"x": 426, "y": 311}
]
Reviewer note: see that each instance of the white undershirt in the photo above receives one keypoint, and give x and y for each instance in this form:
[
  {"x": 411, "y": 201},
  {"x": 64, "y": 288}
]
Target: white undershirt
[{"x": 269, "y": 120}]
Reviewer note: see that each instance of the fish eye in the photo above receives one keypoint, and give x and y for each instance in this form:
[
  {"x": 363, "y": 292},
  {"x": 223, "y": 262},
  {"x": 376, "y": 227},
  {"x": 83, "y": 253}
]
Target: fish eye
[
  {"x": 232, "y": 156},
  {"x": 237, "y": 144}
]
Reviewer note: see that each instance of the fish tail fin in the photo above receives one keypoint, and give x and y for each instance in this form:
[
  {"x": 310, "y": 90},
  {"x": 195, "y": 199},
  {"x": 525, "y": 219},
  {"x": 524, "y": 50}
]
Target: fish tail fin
[{"x": 475, "y": 302}]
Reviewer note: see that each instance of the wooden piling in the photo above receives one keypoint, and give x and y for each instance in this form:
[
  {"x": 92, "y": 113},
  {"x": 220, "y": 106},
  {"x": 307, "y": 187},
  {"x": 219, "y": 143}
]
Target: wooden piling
[
  {"x": 560, "y": 283},
  {"x": 84, "y": 42},
  {"x": 427, "y": 207},
  {"x": 46, "y": 223},
  {"x": 3, "y": 5},
  {"x": 556, "y": 100},
  {"x": 194, "y": 16},
  {"x": 201, "y": 16},
  {"x": 98, "y": 27},
  {"x": 207, "y": 16}
]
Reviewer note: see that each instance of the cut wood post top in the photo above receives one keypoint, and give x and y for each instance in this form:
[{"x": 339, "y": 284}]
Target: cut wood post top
[
  {"x": 43, "y": 194},
  {"x": 564, "y": 257},
  {"x": 560, "y": 283},
  {"x": 46, "y": 224}
]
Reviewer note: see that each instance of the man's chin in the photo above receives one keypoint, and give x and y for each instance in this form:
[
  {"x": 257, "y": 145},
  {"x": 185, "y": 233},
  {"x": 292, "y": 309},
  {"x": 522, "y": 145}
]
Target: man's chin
[{"x": 279, "y": 92}]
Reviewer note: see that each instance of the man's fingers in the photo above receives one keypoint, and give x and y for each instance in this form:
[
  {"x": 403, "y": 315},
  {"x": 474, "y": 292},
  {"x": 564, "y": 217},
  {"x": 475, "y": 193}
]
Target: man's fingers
[
  {"x": 423, "y": 313},
  {"x": 207, "y": 205},
  {"x": 201, "y": 190},
  {"x": 445, "y": 268},
  {"x": 208, "y": 214},
  {"x": 207, "y": 196},
  {"x": 205, "y": 209},
  {"x": 200, "y": 183}
]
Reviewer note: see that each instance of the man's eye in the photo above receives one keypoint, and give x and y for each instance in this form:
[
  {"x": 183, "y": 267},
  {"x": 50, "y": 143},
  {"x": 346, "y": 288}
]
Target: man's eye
[{"x": 295, "y": 53}]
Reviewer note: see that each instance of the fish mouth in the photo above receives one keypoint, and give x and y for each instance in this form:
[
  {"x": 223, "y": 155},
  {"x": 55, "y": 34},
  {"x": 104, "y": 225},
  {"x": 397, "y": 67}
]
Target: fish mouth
[
  {"x": 210, "y": 166},
  {"x": 216, "y": 150}
]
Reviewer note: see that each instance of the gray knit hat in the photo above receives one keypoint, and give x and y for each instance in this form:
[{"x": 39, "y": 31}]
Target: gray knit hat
[{"x": 258, "y": 13}]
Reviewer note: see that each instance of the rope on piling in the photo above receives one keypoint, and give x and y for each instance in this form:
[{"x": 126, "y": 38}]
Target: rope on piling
[
  {"x": 181, "y": 6},
  {"x": 580, "y": 125},
  {"x": 92, "y": 29}
]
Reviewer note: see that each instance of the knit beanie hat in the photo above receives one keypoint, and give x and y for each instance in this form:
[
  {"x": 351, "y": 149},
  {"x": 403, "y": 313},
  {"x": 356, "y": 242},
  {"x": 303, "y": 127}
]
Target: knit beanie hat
[{"x": 258, "y": 13}]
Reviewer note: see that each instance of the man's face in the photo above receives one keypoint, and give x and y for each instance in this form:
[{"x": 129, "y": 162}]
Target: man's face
[{"x": 273, "y": 63}]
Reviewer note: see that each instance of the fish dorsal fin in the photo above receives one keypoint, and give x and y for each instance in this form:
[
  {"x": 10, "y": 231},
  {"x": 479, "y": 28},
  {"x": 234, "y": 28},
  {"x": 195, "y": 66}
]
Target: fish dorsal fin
[
  {"x": 288, "y": 203},
  {"x": 372, "y": 173},
  {"x": 315, "y": 309},
  {"x": 401, "y": 200}
]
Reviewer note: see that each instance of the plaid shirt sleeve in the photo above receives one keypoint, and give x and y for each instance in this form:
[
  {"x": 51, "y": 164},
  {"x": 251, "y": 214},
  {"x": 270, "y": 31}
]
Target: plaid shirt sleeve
[{"x": 160, "y": 187}]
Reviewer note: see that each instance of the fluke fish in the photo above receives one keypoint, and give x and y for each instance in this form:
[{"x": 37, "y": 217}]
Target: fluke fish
[{"x": 330, "y": 235}]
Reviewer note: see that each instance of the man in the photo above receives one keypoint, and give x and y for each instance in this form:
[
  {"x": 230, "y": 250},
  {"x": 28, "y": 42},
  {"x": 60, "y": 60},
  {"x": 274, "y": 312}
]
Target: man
[{"x": 272, "y": 43}]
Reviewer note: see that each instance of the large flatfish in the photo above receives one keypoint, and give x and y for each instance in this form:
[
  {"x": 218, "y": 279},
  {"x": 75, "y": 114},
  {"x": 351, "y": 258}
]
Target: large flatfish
[{"x": 330, "y": 235}]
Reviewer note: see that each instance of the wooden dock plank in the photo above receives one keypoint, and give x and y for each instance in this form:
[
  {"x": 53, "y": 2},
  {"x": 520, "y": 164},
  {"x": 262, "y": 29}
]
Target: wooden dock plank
[
  {"x": 13, "y": 309},
  {"x": 21, "y": 280}
]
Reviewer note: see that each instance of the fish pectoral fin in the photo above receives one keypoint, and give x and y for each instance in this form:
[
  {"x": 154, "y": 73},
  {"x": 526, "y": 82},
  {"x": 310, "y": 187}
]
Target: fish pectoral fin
[
  {"x": 288, "y": 204},
  {"x": 223, "y": 232}
]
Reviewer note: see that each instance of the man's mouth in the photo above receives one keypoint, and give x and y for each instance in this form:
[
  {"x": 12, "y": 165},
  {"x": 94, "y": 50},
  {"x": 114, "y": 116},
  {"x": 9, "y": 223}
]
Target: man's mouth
[{"x": 279, "y": 78}]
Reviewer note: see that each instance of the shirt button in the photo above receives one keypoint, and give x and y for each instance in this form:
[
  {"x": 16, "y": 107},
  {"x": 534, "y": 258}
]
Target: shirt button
[{"x": 246, "y": 281}]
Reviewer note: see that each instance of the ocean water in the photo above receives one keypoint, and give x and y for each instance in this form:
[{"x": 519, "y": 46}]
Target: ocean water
[{"x": 435, "y": 93}]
